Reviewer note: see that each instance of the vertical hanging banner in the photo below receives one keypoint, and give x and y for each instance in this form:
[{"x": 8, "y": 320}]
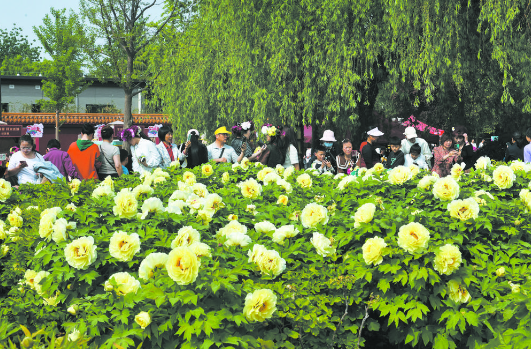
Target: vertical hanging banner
[
  {"x": 35, "y": 130},
  {"x": 153, "y": 131}
]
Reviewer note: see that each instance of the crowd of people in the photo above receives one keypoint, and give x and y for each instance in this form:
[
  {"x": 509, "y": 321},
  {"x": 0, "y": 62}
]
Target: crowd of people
[{"x": 86, "y": 160}]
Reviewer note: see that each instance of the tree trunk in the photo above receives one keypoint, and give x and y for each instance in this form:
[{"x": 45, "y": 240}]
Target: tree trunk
[
  {"x": 57, "y": 124},
  {"x": 128, "y": 116}
]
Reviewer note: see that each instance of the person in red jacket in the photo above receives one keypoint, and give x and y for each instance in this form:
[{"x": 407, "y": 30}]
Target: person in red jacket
[{"x": 85, "y": 154}]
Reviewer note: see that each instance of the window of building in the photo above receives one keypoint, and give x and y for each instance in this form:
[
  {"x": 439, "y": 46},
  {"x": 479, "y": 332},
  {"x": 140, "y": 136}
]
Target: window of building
[
  {"x": 5, "y": 107},
  {"x": 35, "y": 108},
  {"x": 100, "y": 108}
]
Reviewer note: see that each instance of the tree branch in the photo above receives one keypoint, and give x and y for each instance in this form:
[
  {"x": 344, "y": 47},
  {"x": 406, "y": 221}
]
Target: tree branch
[{"x": 331, "y": 345}]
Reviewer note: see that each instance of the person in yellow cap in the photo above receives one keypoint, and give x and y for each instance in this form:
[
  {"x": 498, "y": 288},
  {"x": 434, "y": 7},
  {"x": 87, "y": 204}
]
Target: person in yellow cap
[{"x": 219, "y": 151}]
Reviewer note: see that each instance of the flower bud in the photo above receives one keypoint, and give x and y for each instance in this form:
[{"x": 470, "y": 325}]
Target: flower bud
[
  {"x": 27, "y": 342},
  {"x": 500, "y": 272},
  {"x": 517, "y": 222},
  {"x": 73, "y": 309}
]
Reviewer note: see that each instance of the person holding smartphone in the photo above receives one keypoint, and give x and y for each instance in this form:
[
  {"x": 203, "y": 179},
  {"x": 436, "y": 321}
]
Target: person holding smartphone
[
  {"x": 445, "y": 156},
  {"x": 463, "y": 147},
  {"x": 21, "y": 163}
]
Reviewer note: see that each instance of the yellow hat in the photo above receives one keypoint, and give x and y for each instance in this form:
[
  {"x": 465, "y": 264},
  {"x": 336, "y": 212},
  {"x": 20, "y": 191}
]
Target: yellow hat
[{"x": 222, "y": 129}]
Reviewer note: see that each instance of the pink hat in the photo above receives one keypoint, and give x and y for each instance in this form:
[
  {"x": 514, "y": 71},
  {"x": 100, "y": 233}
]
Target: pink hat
[{"x": 328, "y": 136}]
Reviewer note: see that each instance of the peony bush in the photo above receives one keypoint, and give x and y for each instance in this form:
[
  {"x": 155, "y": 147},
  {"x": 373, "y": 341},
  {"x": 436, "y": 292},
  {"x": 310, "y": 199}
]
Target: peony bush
[{"x": 255, "y": 257}]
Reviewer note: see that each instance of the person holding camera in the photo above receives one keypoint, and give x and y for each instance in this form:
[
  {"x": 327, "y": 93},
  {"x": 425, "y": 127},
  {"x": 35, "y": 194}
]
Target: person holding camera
[
  {"x": 465, "y": 149},
  {"x": 445, "y": 156}
]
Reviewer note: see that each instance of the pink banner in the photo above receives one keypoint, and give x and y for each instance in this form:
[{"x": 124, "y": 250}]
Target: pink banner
[{"x": 419, "y": 125}]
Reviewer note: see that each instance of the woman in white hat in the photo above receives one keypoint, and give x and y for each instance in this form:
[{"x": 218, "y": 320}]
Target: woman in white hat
[
  {"x": 369, "y": 156},
  {"x": 328, "y": 140},
  {"x": 412, "y": 138}
]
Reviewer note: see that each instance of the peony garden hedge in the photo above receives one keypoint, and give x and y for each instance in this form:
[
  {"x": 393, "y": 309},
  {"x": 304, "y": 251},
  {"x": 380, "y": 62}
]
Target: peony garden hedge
[{"x": 246, "y": 256}]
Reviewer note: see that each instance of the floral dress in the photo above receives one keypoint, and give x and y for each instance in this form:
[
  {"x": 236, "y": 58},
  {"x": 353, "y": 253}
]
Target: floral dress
[{"x": 443, "y": 166}]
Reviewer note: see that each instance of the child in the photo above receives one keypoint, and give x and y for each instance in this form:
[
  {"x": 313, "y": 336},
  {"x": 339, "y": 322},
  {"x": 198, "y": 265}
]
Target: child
[
  {"x": 124, "y": 159},
  {"x": 415, "y": 157},
  {"x": 320, "y": 163},
  {"x": 396, "y": 157}
]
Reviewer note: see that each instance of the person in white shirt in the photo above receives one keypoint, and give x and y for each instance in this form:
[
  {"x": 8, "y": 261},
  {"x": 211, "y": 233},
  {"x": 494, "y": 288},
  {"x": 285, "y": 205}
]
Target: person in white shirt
[
  {"x": 21, "y": 163},
  {"x": 292, "y": 155},
  {"x": 144, "y": 152},
  {"x": 220, "y": 152},
  {"x": 167, "y": 149},
  {"x": 415, "y": 158},
  {"x": 412, "y": 138}
]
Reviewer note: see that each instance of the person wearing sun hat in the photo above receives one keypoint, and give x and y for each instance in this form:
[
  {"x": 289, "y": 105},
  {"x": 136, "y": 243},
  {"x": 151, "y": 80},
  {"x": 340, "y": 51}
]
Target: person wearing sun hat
[
  {"x": 369, "y": 156},
  {"x": 221, "y": 152},
  {"x": 412, "y": 138}
]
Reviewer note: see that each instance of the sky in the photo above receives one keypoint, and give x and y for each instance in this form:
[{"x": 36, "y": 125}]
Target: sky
[{"x": 28, "y": 13}]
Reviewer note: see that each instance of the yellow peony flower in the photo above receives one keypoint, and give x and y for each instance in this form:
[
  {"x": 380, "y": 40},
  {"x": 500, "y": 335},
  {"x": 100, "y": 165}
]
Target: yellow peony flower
[
  {"x": 200, "y": 190},
  {"x": 285, "y": 185},
  {"x": 322, "y": 244},
  {"x": 144, "y": 190},
  {"x": 213, "y": 202},
  {"x": 270, "y": 263},
  {"x": 245, "y": 163},
  {"x": 185, "y": 237},
  {"x": 71, "y": 207},
  {"x": 464, "y": 209},
  {"x": 447, "y": 260},
  {"x": 175, "y": 164},
  {"x": 189, "y": 178},
  {"x": 483, "y": 163},
  {"x": 29, "y": 278},
  {"x": 225, "y": 178},
  {"x": 237, "y": 239},
  {"x": 518, "y": 166},
  {"x": 46, "y": 226},
  {"x": 125, "y": 204},
  {"x": 235, "y": 167},
  {"x": 207, "y": 170},
  {"x": 294, "y": 216},
  {"x": 251, "y": 189},
  {"x": 74, "y": 185},
  {"x": 515, "y": 288},
  {"x": 123, "y": 247},
  {"x": 279, "y": 169},
  {"x": 150, "y": 263},
  {"x": 52, "y": 300},
  {"x": 314, "y": 214},
  {"x": 232, "y": 217},
  {"x": 282, "y": 200},
  {"x": 304, "y": 180},
  {"x": 503, "y": 177},
  {"x": 288, "y": 172},
  {"x": 59, "y": 230},
  {"x": 152, "y": 205},
  {"x": 500, "y": 272},
  {"x": 399, "y": 175},
  {"x": 272, "y": 177},
  {"x": 125, "y": 284},
  {"x": 37, "y": 280},
  {"x": 200, "y": 249},
  {"x": 426, "y": 182},
  {"x": 5, "y": 190},
  {"x": 415, "y": 170},
  {"x": 457, "y": 292},
  {"x": 103, "y": 191},
  {"x": 108, "y": 182},
  {"x": 73, "y": 309},
  {"x": 264, "y": 227},
  {"x": 446, "y": 189},
  {"x": 372, "y": 250},
  {"x": 364, "y": 214},
  {"x": 159, "y": 180},
  {"x": 344, "y": 183},
  {"x": 182, "y": 265},
  {"x": 264, "y": 172},
  {"x": 284, "y": 232},
  {"x": 143, "y": 319},
  {"x": 81, "y": 253},
  {"x": 260, "y": 305},
  {"x": 15, "y": 220},
  {"x": 457, "y": 171},
  {"x": 413, "y": 237}
]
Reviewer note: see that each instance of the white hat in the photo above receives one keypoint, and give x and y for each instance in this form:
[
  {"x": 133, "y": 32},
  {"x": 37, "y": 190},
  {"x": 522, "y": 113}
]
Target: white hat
[
  {"x": 375, "y": 132},
  {"x": 410, "y": 132},
  {"x": 193, "y": 130},
  {"x": 328, "y": 136}
]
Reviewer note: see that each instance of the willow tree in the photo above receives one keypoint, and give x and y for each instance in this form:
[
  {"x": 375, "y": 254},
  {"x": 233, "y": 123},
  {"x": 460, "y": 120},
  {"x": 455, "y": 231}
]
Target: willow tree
[
  {"x": 123, "y": 33},
  {"x": 320, "y": 61}
]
